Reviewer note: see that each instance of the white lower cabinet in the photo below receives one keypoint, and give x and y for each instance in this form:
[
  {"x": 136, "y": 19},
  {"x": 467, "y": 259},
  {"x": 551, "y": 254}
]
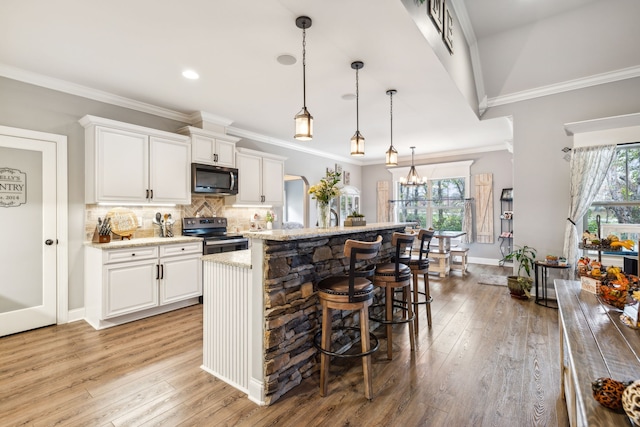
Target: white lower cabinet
[{"x": 122, "y": 285}]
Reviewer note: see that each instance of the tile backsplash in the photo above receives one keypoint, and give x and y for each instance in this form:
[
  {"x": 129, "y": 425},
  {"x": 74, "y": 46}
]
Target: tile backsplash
[{"x": 239, "y": 219}]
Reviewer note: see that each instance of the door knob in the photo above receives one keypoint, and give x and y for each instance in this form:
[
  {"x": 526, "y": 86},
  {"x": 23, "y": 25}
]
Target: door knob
[{"x": 48, "y": 242}]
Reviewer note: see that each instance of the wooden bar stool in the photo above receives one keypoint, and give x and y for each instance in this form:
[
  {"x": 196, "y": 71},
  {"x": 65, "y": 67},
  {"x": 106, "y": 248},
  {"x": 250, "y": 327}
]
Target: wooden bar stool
[
  {"x": 351, "y": 292},
  {"x": 419, "y": 264},
  {"x": 392, "y": 276}
]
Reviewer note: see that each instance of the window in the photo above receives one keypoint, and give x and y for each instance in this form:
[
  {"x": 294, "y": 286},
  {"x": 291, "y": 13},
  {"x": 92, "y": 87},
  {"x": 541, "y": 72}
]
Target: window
[
  {"x": 618, "y": 200},
  {"x": 439, "y": 203}
]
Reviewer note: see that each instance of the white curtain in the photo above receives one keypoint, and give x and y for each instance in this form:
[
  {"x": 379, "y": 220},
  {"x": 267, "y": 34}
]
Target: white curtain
[
  {"x": 467, "y": 223},
  {"x": 589, "y": 166}
]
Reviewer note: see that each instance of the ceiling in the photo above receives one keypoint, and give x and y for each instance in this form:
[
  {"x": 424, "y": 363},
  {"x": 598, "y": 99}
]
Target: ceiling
[{"x": 137, "y": 50}]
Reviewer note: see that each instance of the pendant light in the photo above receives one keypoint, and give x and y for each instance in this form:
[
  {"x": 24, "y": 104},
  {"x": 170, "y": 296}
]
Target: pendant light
[
  {"x": 304, "y": 120},
  {"x": 357, "y": 140},
  {"x": 412, "y": 178},
  {"x": 392, "y": 153}
]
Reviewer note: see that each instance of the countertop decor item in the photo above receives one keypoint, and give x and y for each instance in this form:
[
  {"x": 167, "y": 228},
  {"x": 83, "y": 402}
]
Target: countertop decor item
[
  {"x": 102, "y": 234},
  {"x": 323, "y": 192},
  {"x": 123, "y": 222}
]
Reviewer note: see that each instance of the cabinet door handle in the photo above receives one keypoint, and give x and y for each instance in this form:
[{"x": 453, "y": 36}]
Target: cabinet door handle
[
  {"x": 151, "y": 194},
  {"x": 162, "y": 271},
  {"x": 157, "y": 271},
  {"x": 147, "y": 194},
  {"x": 215, "y": 158}
]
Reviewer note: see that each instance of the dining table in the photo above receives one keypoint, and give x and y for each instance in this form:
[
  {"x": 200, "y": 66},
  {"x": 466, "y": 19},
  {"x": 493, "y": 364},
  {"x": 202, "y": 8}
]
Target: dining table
[{"x": 444, "y": 239}]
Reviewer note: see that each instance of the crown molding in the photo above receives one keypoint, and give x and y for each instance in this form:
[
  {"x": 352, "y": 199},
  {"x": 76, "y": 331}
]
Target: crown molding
[
  {"x": 605, "y": 123},
  {"x": 203, "y": 116},
  {"x": 442, "y": 154},
  {"x": 90, "y": 93},
  {"x": 597, "y": 79}
]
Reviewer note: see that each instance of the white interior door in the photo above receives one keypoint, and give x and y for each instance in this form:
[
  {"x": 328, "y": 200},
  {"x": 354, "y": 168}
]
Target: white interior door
[{"x": 28, "y": 246}]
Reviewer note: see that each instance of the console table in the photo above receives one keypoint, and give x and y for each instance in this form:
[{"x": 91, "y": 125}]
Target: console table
[{"x": 593, "y": 343}]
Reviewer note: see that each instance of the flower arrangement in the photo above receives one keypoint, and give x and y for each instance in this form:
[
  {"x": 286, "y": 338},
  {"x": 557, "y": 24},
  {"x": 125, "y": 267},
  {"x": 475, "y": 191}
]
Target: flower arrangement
[
  {"x": 327, "y": 188},
  {"x": 269, "y": 216}
]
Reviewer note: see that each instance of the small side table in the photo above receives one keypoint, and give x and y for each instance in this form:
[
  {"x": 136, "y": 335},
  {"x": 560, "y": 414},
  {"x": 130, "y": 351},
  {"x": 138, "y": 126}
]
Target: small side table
[{"x": 541, "y": 297}]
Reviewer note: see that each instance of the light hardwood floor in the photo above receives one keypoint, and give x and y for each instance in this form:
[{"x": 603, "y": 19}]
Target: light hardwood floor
[{"x": 488, "y": 361}]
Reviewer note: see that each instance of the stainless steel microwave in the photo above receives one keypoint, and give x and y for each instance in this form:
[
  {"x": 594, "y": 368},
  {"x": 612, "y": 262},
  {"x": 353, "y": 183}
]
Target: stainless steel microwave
[{"x": 210, "y": 179}]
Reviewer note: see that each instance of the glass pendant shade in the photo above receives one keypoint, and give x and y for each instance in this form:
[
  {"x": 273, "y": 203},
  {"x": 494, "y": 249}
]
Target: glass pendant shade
[
  {"x": 391, "y": 158},
  {"x": 304, "y": 125},
  {"x": 304, "y": 120},
  {"x": 357, "y": 144},
  {"x": 357, "y": 140}
]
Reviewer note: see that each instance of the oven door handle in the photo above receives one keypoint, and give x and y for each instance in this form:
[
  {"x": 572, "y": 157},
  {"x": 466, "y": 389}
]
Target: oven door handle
[{"x": 224, "y": 242}]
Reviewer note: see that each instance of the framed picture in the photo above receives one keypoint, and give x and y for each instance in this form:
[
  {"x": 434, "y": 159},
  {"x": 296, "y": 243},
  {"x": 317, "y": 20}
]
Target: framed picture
[
  {"x": 434, "y": 10},
  {"x": 329, "y": 170},
  {"x": 507, "y": 194},
  {"x": 347, "y": 178},
  {"x": 447, "y": 34},
  {"x": 338, "y": 168}
]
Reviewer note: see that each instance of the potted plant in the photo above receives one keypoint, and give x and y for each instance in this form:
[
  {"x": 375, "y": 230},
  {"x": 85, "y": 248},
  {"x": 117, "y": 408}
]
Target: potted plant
[
  {"x": 520, "y": 285},
  {"x": 354, "y": 219}
]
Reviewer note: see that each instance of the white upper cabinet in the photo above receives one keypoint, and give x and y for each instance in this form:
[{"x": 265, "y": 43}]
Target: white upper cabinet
[
  {"x": 211, "y": 148},
  {"x": 260, "y": 178},
  {"x": 133, "y": 164}
]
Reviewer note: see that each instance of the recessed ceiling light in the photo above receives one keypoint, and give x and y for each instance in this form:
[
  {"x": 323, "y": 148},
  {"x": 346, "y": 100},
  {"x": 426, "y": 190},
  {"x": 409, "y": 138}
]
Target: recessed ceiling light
[
  {"x": 190, "y": 74},
  {"x": 286, "y": 59},
  {"x": 349, "y": 96}
]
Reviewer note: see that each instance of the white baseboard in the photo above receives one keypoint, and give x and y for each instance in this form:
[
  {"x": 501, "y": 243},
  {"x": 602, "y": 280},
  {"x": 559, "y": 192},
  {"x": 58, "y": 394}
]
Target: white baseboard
[
  {"x": 484, "y": 261},
  {"x": 75, "y": 315}
]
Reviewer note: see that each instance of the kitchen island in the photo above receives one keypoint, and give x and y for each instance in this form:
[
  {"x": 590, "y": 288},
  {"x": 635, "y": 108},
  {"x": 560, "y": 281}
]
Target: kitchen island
[{"x": 261, "y": 310}]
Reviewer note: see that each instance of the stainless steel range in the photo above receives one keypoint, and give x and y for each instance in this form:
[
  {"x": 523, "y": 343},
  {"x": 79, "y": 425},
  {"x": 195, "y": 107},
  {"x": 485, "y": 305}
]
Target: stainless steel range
[{"x": 214, "y": 232}]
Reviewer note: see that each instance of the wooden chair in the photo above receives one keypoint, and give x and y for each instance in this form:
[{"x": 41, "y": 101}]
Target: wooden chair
[
  {"x": 419, "y": 264},
  {"x": 392, "y": 276},
  {"x": 351, "y": 292}
]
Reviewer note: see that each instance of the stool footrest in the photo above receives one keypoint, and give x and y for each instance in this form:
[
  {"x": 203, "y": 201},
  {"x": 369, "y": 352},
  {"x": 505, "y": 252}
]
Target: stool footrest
[
  {"x": 372, "y": 337},
  {"x": 392, "y": 322},
  {"x": 426, "y": 301}
]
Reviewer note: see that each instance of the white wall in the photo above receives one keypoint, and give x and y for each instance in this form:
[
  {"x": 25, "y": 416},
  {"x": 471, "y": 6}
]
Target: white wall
[
  {"x": 565, "y": 44},
  {"x": 35, "y": 108},
  {"x": 458, "y": 65},
  {"x": 541, "y": 176}
]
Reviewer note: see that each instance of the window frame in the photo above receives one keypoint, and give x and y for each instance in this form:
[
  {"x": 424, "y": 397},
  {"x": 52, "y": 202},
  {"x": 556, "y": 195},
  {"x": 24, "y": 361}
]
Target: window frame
[
  {"x": 613, "y": 203},
  {"x": 433, "y": 172}
]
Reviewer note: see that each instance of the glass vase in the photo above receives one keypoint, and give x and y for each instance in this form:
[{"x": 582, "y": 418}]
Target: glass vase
[{"x": 324, "y": 215}]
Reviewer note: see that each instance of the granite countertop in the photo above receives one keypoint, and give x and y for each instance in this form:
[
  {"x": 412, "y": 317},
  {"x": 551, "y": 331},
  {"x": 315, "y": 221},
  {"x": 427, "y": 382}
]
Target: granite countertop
[
  {"x": 309, "y": 233},
  {"x": 144, "y": 241},
  {"x": 234, "y": 258}
]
